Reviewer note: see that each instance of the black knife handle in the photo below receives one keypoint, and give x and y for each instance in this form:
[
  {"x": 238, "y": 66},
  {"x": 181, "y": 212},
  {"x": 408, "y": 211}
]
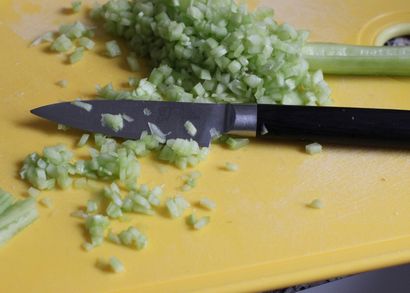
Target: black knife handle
[{"x": 335, "y": 124}]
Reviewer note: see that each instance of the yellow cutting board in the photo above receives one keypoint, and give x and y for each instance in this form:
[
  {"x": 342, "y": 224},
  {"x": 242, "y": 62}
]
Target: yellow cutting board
[{"x": 261, "y": 236}]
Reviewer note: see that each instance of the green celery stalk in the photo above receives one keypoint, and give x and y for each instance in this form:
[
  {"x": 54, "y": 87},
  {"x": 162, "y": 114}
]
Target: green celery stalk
[{"x": 357, "y": 60}]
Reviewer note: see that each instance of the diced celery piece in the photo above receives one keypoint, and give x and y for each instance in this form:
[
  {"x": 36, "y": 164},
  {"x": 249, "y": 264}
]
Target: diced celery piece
[
  {"x": 76, "y": 6},
  {"x": 96, "y": 226},
  {"x": 62, "y": 44},
  {"x": 115, "y": 122},
  {"x": 114, "y": 211},
  {"x": 86, "y": 43},
  {"x": 116, "y": 265},
  {"x": 231, "y": 166},
  {"x": 62, "y": 127},
  {"x": 83, "y": 140},
  {"x": 133, "y": 63},
  {"x": 176, "y": 206},
  {"x": 83, "y": 105},
  {"x": 201, "y": 223},
  {"x": 313, "y": 148},
  {"x": 77, "y": 55},
  {"x": 316, "y": 204},
  {"x": 79, "y": 214},
  {"x": 33, "y": 192},
  {"x": 207, "y": 203},
  {"x": 147, "y": 112},
  {"x": 127, "y": 118},
  {"x": 113, "y": 50},
  {"x": 47, "y": 202},
  {"x": 236, "y": 143},
  {"x": 190, "y": 128},
  {"x": 47, "y": 37},
  {"x": 62, "y": 83},
  {"x": 92, "y": 206},
  {"x": 6, "y": 200}
]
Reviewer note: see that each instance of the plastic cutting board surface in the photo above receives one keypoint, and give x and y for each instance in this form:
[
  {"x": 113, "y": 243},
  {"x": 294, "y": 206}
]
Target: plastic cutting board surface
[{"x": 261, "y": 236}]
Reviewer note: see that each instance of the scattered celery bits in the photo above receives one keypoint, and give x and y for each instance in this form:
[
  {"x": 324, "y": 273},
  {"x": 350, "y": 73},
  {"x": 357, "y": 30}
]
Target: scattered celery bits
[{"x": 313, "y": 148}]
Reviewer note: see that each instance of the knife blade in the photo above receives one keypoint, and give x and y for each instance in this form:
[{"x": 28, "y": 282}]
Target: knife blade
[
  {"x": 169, "y": 117},
  {"x": 324, "y": 124}
]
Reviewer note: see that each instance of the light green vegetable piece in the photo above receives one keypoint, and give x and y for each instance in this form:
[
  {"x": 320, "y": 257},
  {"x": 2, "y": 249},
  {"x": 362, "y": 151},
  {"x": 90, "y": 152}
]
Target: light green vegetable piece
[
  {"x": 115, "y": 122},
  {"x": 61, "y": 44},
  {"x": 96, "y": 226},
  {"x": 76, "y": 6},
  {"x": 77, "y": 55},
  {"x": 316, "y": 204},
  {"x": 113, "y": 50},
  {"x": 47, "y": 202},
  {"x": 116, "y": 265},
  {"x": 313, "y": 148},
  {"x": 15, "y": 216},
  {"x": 207, "y": 203}
]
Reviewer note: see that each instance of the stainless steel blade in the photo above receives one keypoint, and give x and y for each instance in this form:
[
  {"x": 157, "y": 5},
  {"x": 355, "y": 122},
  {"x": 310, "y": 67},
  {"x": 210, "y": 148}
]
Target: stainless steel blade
[{"x": 170, "y": 117}]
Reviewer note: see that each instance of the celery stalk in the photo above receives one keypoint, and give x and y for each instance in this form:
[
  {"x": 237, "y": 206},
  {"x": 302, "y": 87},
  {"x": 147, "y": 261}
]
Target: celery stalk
[{"x": 357, "y": 60}]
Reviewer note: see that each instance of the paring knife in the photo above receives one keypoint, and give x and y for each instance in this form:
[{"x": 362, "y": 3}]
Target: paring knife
[{"x": 322, "y": 124}]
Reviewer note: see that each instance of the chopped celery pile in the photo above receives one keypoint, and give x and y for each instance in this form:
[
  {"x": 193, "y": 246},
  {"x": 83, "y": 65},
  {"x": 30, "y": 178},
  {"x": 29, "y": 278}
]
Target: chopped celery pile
[
  {"x": 15, "y": 215},
  {"x": 214, "y": 51}
]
